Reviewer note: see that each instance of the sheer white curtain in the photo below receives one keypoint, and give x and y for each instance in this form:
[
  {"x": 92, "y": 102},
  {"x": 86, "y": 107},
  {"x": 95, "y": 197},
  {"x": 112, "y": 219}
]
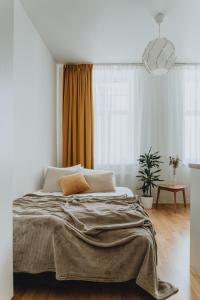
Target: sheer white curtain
[
  {"x": 191, "y": 112},
  {"x": 125, "y": 113},
  {"x": 180, "y": 128},
  {"x": 133, "y": 111},
  {"x": 171, "y": 123},
  {"x": 180, "y": 102}
]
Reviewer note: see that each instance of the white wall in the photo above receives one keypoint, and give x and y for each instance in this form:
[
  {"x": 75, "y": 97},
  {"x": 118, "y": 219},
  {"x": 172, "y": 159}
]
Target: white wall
[
  {"x": 35, "y": 105},
  {"x": 27, "y": 121},
  {"x": 6, "y": 154}
]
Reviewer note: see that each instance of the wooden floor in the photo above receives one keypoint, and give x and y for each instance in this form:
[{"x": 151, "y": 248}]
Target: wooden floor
[{"x": 173, "y": 253}]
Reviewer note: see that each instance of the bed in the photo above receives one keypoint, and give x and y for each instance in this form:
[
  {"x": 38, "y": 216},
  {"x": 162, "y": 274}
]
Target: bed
[{"x": 102, "y": 237}]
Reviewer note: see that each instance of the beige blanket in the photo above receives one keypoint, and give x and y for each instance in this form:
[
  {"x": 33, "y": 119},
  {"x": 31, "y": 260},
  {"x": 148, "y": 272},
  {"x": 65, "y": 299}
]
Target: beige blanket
[{"x": 95, "y": 239}]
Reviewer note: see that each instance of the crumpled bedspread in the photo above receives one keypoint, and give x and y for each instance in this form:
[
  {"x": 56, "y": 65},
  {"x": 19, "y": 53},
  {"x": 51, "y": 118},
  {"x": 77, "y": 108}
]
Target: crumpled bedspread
[{"x": 107, "y": 239}]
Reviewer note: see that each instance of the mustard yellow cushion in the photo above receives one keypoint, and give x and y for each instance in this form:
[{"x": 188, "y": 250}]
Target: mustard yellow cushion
[{"x": 73, "y": 184}]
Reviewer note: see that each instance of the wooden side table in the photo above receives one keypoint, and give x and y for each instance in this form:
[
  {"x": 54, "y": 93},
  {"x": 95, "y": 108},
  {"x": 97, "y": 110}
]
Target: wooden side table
[{"x": 172, "y": 188}]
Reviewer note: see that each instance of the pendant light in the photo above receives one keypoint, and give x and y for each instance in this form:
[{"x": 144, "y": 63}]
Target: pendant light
[{"x": 159, "y": 54}]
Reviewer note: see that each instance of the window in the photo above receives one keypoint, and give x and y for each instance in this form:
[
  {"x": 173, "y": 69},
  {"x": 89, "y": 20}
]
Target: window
[
  {"x": 192, "y": 114},
  {"x": 133, "y": 111},
  {"x": 114, "y": 109}
]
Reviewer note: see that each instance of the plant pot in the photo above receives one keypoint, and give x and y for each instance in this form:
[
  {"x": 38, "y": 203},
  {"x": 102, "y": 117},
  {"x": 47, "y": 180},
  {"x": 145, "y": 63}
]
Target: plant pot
[{"x": 147, "y": 202}]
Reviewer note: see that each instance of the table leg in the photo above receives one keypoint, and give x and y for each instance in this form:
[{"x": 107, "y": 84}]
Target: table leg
[
  {"x": 175, "y": 201},
  {"x": 158, "y": 195},
  {"x": 184, "y": 198}
]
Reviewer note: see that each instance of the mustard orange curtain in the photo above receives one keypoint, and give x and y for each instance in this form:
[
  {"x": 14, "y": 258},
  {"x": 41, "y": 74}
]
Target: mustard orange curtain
[{"x": 77, "y": 115}]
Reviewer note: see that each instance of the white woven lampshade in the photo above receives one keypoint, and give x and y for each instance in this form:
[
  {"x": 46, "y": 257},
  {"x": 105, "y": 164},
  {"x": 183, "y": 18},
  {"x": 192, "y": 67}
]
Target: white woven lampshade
[{"x": 159, "y": 56}]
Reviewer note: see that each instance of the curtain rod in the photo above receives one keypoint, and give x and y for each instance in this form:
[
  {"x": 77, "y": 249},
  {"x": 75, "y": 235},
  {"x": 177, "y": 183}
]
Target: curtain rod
[
  {"x": 134, "y": 64},
  {"x": 141, "y": 64}
]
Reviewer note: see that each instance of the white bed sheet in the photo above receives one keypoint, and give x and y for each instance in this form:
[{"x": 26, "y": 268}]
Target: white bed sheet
[{"x": 119, "y": 192}]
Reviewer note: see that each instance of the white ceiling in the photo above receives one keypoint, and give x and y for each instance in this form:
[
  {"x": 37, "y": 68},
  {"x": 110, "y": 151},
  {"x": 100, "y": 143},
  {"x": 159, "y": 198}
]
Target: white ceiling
[{"x": 114, "y": 31}]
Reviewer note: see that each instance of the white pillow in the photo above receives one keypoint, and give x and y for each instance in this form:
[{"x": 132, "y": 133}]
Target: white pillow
[
  {"x": 100, "y": 182},
  {"x": 85, "y": 171},
  {"x": 53, "y": 174}
]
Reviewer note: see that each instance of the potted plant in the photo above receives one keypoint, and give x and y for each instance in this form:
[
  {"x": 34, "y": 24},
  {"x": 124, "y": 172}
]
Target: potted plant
[{"x": 149, "y": 174}]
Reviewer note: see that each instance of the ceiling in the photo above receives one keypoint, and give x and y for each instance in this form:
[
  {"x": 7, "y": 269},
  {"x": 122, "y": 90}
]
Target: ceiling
[{"x": 114, "y": 31}]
